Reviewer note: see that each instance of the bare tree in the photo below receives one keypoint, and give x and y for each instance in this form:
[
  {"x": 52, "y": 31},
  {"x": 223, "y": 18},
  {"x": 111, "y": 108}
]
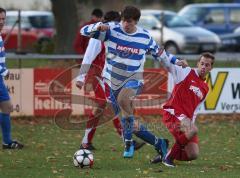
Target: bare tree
[{"x": 66, "y": 23}]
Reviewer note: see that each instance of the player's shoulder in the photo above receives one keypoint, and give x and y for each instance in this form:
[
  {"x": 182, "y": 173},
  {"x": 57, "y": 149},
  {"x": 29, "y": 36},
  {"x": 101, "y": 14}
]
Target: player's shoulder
[
  {"x": 144, "y": 33},
  {"x": 183, "y": 70},
  {"x": 113, "y": 24}
]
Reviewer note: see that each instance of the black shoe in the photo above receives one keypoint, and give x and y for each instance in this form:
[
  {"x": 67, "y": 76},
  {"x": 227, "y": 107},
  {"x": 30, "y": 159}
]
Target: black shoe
[
  {"x": 87, "y": 146},
  {"x": 13, "y": 145},
  {"x": 168, "y": 162},
  {"x": 162, "y": 152},
  {"x": 138, "y": 145},
  {"x": 156, "y": 159}
]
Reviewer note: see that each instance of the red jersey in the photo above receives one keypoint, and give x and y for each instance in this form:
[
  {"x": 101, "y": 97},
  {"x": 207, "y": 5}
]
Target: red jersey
[
  {"x": 93, "y": 60},
  {"x": 188, "y": 93},
  {"x": 81, "y": 42},
  {"x": 80, "y": 45},
  {"x": 99, "y": 62}
]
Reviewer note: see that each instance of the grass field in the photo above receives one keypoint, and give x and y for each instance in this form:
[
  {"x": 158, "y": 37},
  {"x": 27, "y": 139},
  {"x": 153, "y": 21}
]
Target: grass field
[
  {"x": 40, "y": 63},
  {"x": 49, "y": 150}
]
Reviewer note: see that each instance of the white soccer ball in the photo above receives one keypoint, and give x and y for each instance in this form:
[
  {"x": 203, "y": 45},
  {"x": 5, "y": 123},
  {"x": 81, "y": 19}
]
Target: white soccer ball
[{"x": 83, "y": 158}]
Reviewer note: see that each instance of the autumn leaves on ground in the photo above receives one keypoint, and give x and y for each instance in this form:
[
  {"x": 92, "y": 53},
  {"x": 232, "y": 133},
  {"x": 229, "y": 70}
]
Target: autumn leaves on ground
[{"x": 49, "y": 151}]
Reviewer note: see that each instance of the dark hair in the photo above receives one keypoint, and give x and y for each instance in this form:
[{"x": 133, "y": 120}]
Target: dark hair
[
  {"x": 2, "y": 10},
  {"x": 207, "y": 55},
  {"x": 112, "y": 16},
  {"x": 97, "y": 12},
  {"x": 131, "y": 12}
]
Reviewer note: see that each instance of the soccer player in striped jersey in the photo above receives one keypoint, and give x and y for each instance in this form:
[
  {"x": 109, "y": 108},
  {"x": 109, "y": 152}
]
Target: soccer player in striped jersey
[
  {"x": 90, "y": 72},
  {"x": 5, "y": 103},
  {"x": 181, "y": 109},
  {"x": 127, "y": 46}
]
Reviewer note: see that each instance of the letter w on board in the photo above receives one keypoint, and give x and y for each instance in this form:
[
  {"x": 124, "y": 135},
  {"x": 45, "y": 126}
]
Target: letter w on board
[{"x": 215, "y": 90}]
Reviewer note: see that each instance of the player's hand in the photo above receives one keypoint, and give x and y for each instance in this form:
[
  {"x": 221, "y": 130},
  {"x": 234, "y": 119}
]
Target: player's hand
[
  {"x": 185, "y": 125},
  {"x": 182, "y": 63},
  {"x": 103, "y": 27},
  {"x": 7, "y": 75},
  {"x": 79, "y": 84}
]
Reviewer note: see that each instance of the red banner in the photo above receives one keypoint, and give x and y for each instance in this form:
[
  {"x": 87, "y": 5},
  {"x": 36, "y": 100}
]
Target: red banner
[{"x": 44, "y": 103}]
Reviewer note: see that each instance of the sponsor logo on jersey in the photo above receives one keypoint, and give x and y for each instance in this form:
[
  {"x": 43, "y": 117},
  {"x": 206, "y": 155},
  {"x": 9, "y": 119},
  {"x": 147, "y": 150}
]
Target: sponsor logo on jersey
[
  {"x": 127, "y": 49},
  {"x": 196, "y": 91}
]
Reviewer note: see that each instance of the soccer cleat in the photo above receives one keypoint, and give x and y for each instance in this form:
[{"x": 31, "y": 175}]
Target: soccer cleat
[
  {"x": 13, "y": 145},
  {"x": 138, "y": 145},
  {"x": 87, "y": 146},
  {"x": 157, "y": 159},
  {"x": 168, "y": 162},
  {"x": 129, "y": 149}
]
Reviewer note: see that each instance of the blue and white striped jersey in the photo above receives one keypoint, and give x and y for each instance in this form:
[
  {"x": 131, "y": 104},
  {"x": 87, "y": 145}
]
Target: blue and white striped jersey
[
  {"x": 3, "y": 69},
  {"x": 126, "y": 52}
]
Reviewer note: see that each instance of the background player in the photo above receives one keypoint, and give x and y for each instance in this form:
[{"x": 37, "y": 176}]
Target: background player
[
  {"x": 5, "y": 102},
  {"x": 81, "y": 42}
]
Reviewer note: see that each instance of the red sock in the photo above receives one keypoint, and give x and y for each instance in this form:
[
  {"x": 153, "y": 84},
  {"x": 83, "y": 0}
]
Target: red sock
[
  {"x": 177, "y": 152},
  {"x": 184, "y": 156},
  {"x": 91, "y": 124},
  {"x": 91, "y": 134},
  {"x": 92, "y": 121},
  {"x": 117, "y": 125}
]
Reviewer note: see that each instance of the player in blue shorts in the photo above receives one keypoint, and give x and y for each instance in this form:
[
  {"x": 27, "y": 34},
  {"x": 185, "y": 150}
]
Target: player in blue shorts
[
  {"x": 127, "y": 46},
  {"x": 5, "y": 102}
]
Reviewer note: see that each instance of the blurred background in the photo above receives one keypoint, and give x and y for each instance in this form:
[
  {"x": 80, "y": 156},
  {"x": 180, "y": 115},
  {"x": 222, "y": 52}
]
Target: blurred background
[{"x": 182, "y": 26}]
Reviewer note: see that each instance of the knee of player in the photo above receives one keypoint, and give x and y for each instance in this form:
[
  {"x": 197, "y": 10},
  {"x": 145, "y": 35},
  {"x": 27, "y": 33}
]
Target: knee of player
[
  {"x": 193, "y": 155},
  {"x": 124, "y": 103}
]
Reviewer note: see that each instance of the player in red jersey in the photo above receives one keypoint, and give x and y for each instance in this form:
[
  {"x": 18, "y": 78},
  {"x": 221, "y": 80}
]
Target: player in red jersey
[
  {"x": 81, "y": 42},
  {"x": 181, "y": 108},
  {"x": 90, "y": 72}
]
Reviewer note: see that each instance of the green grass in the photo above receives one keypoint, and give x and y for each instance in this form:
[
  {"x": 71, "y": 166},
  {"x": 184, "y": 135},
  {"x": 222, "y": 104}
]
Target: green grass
[
  {"x": 49, "y": 150},
  {"x": 40, "y": 63}
]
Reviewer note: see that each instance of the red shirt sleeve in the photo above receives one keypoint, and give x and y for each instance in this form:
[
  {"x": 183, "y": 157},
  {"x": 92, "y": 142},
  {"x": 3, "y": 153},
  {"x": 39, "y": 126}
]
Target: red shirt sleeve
[{"x": 81, "y": 42}]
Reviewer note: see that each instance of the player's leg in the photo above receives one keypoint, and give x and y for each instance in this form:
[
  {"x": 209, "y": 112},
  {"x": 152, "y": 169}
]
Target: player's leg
[
  {"x": 97, "y": 112},
  {"x": 91, "y": 129},
  {"x": 160, "y": 144},
  {"x": 192, "y": 151},
  {"x": 125, "y": 100},
  {"x": 125, "y": 103},
  {"x": 111, "y": 95},
  {"x": 184, "y": 133},
  {"x": 116, "y": 120},
  {"x": 117, "y": 125},
  {"x": 6, "y": 109}
]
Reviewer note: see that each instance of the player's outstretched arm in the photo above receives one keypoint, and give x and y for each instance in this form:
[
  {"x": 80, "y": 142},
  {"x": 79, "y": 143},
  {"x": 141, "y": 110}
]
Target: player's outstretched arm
[
  {"x": 93, "y": 49},
  {"x": 161, "y": 54}
]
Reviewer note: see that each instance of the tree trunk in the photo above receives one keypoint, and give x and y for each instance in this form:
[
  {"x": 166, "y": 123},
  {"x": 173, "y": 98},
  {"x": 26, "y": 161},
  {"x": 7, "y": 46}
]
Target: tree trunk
[{"x": 66, "y": 24}]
